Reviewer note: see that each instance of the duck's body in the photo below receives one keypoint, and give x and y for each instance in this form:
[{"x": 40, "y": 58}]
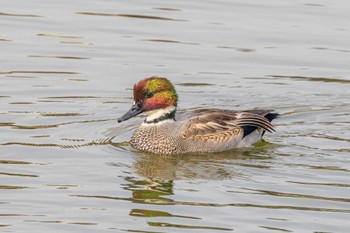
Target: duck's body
[{"x": 205, "y": 130}]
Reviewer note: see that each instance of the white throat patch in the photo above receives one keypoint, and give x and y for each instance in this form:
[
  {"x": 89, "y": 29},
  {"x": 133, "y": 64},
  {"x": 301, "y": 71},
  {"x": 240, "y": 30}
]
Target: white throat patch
[{"x": 159, "y": 113}]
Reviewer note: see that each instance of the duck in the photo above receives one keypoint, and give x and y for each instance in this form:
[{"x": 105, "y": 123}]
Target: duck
[{"x": 166, "y": 131}]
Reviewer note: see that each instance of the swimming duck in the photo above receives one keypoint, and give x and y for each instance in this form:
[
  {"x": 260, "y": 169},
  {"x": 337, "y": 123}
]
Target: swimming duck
[{"x": 165, "y": 131}]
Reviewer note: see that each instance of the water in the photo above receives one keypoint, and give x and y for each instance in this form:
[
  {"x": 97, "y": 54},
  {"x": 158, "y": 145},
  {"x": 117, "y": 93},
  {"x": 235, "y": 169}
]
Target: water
[{"x": 66, "y": 73}]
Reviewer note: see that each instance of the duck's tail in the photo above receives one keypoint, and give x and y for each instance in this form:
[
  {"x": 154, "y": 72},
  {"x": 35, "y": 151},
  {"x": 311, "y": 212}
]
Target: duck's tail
[{"x": 271, "y": 115}]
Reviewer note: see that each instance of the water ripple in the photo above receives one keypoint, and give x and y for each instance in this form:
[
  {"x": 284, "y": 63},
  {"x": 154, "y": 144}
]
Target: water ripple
[
  {"x": 321, "y": 184},
  {"x": 296, "y": 195},
  {"x": 155, "y": 213},
  {"x": 36, "y": 72},
  {"x": 19, "y": 15},
  {"x": 165, "y": 201},
  {"x": 59, "y": 36},
  {"x": 107, "y": 141},
  {"x": 12, "y": 187},
  {"x": 171, "y": 41},
  {"x": 163, "y": 224},
  {"x": 59, "y": 57},
  {"x": 129, "y": 16},
  {"x": 77, "y": 42},
  {"x": 17, "y": 174},
  {"x": 14, "y": 162},
  {"x": 312, "y": 79}
]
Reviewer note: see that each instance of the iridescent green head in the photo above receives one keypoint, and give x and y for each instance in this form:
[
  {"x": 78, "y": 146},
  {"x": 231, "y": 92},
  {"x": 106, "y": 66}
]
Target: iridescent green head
[{"x": 151, "y": 94}]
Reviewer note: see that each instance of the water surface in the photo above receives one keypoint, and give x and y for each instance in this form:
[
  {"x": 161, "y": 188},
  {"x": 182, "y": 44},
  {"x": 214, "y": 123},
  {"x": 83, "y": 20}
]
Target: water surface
[{"x": 66, "y": 73}]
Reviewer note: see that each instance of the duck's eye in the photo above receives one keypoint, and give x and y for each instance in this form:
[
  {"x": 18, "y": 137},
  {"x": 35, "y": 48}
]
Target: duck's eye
[{"x": 148, "y": 94}]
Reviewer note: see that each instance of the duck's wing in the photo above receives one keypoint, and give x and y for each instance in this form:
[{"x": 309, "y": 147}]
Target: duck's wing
[{"x": 222, "y": 125}]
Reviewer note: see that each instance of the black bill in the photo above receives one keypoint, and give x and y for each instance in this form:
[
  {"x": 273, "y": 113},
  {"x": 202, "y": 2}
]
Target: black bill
[{"x": 134, "y": 110}]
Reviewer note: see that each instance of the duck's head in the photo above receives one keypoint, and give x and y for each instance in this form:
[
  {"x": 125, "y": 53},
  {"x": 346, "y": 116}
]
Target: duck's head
[{"x": 151, "y": 94}]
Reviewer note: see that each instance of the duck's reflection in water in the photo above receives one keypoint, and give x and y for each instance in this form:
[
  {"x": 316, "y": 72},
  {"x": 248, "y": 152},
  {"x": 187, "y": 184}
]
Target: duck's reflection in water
[
  {"x": 155, "y": 178},
  {"x": 221, "y": 166},
  {"x": 156, "y": 174},
  {"x": 153, "y": 181}
]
